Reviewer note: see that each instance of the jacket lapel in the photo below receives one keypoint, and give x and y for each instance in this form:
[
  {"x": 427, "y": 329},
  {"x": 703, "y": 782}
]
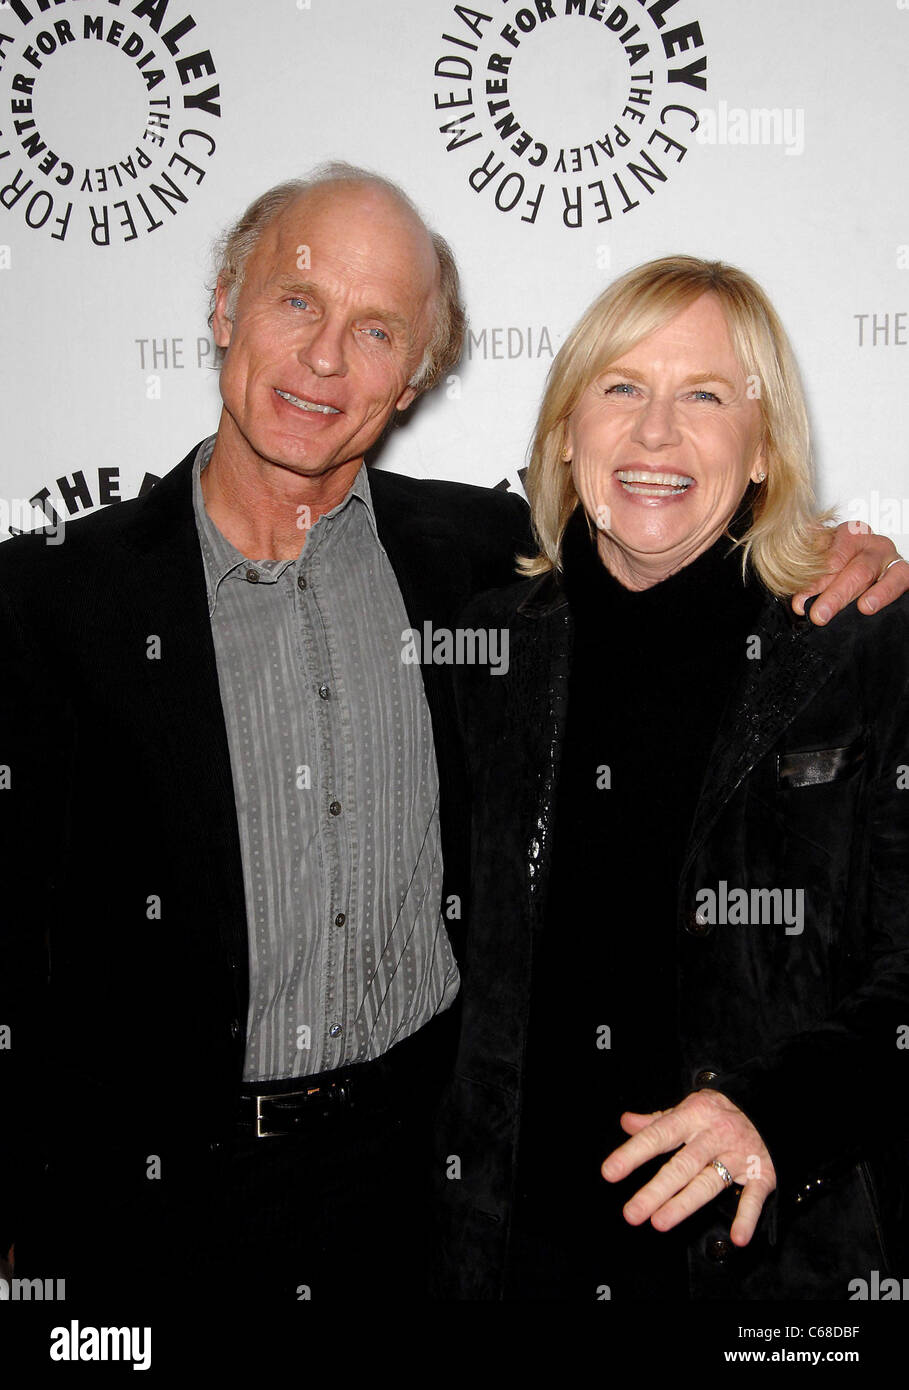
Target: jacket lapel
[
  {"x": 777, "y": 686},
  {"x": 424, "y": 552},
  {"x": 546, "y": 634},
  {"x": 167, "y": 595}
]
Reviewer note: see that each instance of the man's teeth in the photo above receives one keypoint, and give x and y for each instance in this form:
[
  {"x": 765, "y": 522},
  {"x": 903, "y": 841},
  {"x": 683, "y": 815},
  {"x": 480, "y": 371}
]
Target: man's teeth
[
  {"x": 648, "y": 484},
  {"x": 307, "y": 405}
]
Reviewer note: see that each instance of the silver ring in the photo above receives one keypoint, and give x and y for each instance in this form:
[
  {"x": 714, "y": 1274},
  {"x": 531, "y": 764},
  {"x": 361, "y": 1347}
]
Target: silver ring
[
  {"x": 724, "y": 1172},
  {"x": 892, "y": 562}
]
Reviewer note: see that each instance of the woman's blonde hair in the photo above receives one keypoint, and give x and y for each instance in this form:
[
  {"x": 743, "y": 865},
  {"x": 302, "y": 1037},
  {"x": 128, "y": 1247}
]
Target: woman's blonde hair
[{"x": 787, "y": 538}]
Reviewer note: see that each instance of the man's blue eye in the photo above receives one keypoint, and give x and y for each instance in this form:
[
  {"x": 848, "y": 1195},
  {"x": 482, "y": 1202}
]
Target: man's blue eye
[
  {"x": 297, "y": 300},
  {"x": 380, "y": 331},
  {"x": 707, "y": 396}
]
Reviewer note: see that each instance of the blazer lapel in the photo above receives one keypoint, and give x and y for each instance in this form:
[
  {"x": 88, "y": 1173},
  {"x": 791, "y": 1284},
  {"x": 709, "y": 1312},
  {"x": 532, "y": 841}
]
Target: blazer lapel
[
  {"x": 542, "y": 710},
  {"x": 434, "y": 580},
  {"x": 184, "y": 712},
  {"x": 777, "y": 686}
]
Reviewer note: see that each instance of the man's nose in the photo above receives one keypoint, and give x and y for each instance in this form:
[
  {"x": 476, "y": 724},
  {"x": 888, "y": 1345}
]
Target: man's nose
[
  {"x": 656, "y": 423},
  {"x": 324, "y": 350}
]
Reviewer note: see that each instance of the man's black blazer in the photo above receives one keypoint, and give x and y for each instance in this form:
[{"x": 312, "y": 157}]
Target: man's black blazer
[{"x": 123, "y": 973}]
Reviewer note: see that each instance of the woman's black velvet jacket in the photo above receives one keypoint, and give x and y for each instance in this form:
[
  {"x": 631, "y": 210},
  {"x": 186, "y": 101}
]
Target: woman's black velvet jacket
[{"x": 807, "y": 786}]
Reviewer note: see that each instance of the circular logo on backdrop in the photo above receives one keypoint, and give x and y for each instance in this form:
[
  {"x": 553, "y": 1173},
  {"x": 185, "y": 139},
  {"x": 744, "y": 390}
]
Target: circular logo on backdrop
[
  {"x": 569, "y": 111},
  {"x": 108, "y": 117}
]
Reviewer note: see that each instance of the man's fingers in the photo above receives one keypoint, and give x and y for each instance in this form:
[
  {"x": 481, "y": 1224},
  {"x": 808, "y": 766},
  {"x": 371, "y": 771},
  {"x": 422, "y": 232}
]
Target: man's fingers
[
  {"x": 863, "y": 558},
  {"x": 893, "y": 582},
  {"x": 845, "y": 586},
  {"x": 799, "y": 600}
]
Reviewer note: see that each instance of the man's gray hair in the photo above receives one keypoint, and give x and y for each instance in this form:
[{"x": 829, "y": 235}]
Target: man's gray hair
[{"x": 235, "y": 246}]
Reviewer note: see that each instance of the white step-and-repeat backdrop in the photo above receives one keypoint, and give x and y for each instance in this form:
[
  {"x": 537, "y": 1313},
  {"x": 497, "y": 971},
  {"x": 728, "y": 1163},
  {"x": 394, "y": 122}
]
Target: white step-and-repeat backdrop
[{"x": 555, "y": 143}]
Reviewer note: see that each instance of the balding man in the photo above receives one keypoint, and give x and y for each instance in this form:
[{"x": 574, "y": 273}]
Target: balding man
[
  {"x": 234, "y": 770},
  {"x": 231, "y": 796}
]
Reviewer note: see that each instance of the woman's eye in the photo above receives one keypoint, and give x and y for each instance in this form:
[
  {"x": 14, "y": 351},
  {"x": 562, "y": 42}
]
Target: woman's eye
[
  {"x": 621, "y": 388},
  {"x": 706, "y": 396}
]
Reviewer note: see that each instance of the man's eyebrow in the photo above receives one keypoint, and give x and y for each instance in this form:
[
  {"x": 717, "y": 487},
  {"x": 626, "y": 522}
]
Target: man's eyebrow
[
  {"x": 389, "y": 317},
  {"x": 288, "y": 284}
]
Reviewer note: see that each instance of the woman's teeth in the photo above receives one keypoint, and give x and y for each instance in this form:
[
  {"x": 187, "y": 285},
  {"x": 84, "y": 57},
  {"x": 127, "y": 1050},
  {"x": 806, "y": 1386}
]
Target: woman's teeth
[{"x": 649, "y": 484}]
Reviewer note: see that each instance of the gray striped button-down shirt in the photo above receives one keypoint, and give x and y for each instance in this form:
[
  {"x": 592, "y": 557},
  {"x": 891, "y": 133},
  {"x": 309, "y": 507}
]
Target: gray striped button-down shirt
[{"x": 337, "y": 794}]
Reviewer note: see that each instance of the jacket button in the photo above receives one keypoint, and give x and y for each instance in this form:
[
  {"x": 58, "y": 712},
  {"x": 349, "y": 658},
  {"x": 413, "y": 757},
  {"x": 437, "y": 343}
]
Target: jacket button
[
  {"x": 718, "y": 1249},
  {"x": 696, "y": 923},
  {"x": 234, "y": 1028},
  {"x": 704, "y": 1078}
]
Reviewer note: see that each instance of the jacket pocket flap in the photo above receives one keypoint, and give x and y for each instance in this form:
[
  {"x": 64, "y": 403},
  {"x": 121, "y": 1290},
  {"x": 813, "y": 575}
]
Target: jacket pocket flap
[{"x": 822, "y": 765}]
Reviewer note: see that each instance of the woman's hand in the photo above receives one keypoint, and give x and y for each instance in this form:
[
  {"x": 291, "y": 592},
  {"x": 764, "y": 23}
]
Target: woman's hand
[{"x": 708, "y": 1126}]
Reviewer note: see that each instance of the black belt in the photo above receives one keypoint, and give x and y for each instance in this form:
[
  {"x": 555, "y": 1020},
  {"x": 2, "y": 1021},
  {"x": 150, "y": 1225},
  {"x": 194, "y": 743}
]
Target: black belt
[
  {"x": 311, "y": 1101},
  {"x": 407, "y": 1075}
]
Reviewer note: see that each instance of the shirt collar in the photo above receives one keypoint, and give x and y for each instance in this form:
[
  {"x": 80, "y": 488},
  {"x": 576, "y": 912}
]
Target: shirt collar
[{"x": 220, "y": 558}]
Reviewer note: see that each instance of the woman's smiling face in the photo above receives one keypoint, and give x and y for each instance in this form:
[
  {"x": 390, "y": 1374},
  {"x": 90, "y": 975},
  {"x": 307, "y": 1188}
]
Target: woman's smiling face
[{"x": 663, "y": 444}]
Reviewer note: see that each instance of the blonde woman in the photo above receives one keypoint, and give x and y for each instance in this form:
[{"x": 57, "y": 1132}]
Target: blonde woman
[{"x": 689, "y": 941}]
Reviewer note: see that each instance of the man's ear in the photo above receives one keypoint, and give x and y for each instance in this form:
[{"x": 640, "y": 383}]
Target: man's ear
[
  {"x": 222, "y": 326},
  {"x": 407, "y": 397}
]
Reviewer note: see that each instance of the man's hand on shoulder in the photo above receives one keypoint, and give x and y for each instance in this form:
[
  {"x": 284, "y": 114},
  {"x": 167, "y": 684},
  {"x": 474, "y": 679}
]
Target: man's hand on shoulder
[{"x": 859, "y": 563}]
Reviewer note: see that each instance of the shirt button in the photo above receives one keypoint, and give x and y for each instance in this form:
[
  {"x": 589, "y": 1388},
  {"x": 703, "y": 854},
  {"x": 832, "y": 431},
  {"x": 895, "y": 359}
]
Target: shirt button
[
  {"x": 704, "y": 1078},
  {"x": 335, "y": 808},
  {"x": 301, "y": 582},
  {"x": 340, "y": 919},
  {"x": 335, "y": 1030},
  {"x": 252, "y": 576},
  {"x": 324, "y": 691},
  {"x": 234, "y": 1028}
]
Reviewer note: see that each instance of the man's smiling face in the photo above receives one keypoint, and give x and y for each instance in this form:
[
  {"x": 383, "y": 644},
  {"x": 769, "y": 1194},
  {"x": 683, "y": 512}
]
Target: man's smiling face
[{"x": 318, "y": 357}]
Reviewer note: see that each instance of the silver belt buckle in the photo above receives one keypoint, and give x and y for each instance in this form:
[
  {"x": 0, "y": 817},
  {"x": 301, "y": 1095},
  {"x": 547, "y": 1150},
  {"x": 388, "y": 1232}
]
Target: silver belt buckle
[
  {"x": 335, "y": 1094},
  {"x": 260, "y": 1118}
]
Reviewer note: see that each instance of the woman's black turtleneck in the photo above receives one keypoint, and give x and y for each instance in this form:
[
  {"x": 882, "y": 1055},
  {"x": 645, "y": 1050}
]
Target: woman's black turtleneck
[{"x": 651, "y": 672}]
